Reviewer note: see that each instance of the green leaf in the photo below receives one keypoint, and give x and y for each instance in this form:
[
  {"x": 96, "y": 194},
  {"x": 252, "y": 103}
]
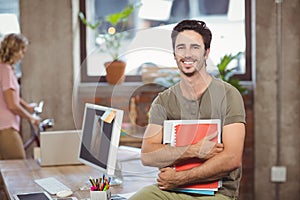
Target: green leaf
[
  {"x": 227, "y": 74},
  {"x": 112, "y": 41},
  {"x": 85, "y": 22},
  {"x": 123, "y": 15}
]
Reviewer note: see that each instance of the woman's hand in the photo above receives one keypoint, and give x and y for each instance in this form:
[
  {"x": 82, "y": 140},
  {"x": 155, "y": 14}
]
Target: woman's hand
[
  {"x": 35, "y": 120},
  {"x": 30, "y": 107}
]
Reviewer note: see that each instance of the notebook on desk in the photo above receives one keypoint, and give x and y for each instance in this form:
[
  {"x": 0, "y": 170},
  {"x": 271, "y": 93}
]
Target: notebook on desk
[{"x": 59, "y": 147}]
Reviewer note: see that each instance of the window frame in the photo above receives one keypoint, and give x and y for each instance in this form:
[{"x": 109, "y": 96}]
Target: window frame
[{"x": 85, "y": 78}]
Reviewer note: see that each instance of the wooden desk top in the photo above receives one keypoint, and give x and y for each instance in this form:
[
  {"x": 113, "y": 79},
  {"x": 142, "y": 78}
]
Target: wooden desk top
[{"x": 19, "y": 175}]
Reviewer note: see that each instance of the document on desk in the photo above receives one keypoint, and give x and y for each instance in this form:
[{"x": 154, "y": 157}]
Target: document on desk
[
  {"x": 126, "y": 153},
  {"x": 122, "y": 196},
  {"x": 131, "y": 164},
  {"x": 135, "y": 168}
]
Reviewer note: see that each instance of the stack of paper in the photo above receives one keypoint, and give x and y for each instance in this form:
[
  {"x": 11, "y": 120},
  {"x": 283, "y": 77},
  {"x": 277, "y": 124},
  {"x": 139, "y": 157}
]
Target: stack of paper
[{"x": 186, "y": 132}]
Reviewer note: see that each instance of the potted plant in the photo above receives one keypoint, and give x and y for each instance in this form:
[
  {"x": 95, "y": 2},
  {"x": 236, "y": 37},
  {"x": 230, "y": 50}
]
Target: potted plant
[
  {"x": 112, "y": 38},
  {"x": 226, "y": 74}
]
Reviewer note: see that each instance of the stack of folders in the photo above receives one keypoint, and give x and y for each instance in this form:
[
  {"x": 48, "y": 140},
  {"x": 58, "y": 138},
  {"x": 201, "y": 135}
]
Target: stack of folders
[{"x": 186, "y": 132}]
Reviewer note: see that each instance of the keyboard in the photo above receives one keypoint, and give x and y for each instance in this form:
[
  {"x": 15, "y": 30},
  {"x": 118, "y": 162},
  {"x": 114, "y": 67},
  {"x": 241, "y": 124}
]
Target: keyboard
[{"x": 51, "y": 185}]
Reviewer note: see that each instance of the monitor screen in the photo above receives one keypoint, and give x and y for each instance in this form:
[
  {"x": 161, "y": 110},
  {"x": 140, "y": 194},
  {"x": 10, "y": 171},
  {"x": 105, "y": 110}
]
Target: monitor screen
[{"x": 100, "y": 137}]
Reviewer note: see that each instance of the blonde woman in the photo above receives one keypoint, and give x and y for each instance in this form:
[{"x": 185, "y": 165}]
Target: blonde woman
[{"x": 12, "y": 107}]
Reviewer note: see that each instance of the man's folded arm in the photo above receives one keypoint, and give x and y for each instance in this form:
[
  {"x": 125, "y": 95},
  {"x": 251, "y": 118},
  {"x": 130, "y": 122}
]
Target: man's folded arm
[{"x": 156, "y": 154}]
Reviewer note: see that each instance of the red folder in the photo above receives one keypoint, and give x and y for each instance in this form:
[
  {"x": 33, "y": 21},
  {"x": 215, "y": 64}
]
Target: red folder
[{"x": 186, "y": 134}]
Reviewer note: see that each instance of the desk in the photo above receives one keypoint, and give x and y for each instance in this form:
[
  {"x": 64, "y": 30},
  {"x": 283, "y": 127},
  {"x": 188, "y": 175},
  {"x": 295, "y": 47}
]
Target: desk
[{"x": 18, "y": 176}]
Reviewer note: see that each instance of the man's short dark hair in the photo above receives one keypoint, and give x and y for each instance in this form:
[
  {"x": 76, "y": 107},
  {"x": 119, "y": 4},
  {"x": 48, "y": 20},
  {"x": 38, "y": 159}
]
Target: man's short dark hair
[{"x": 195, "y": 25}]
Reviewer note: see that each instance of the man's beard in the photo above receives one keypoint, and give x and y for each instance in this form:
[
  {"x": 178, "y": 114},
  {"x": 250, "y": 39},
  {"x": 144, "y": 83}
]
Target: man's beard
[
  {"x": 189, "y": 74},
  {"x": 196, "y": 69}
]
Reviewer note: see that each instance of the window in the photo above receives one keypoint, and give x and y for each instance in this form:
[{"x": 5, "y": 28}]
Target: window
[
  {"x": 148, "y": 39},
  {"x": 9, "y": 23}
]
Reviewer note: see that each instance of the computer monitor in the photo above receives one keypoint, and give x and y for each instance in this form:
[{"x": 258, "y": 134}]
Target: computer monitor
[{"x": 100, "y": 137}]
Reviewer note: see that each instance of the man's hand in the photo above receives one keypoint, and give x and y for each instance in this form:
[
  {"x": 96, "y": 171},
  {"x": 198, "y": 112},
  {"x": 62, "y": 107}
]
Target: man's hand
[
  {"x": 216, "y": 149},
  {"x": 168, "y": 179},
  {"x": 206, "y": 149}
]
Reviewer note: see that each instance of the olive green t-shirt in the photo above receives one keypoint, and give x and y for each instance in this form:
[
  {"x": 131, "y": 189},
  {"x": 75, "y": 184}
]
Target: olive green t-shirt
[{"x": 219, "y": 101}]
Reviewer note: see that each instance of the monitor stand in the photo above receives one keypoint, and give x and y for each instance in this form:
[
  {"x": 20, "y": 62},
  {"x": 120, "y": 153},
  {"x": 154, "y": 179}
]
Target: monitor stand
[{"x": 117, "y": 178}]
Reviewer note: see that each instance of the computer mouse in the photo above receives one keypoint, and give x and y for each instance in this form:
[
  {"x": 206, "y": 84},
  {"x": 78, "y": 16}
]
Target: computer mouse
[{"x": 64, "y": 193}]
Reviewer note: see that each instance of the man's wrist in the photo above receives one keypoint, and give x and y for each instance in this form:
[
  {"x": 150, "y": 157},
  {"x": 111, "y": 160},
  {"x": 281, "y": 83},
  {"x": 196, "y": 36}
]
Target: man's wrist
[{"x": 192, "y": 151}]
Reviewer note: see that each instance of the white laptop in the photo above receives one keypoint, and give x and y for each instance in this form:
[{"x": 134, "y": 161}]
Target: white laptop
[{"x": 59, "y": 147}]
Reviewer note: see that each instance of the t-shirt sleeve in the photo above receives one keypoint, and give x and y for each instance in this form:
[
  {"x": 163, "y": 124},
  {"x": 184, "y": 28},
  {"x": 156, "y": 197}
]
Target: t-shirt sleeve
[
  {"x": 7, "y": 79},
  {"x": 157, "y": 113},
  {"x": 235, "y": 108}
]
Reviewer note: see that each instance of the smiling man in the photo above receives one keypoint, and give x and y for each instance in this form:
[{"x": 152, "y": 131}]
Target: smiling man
[{"x": 197, "y": 96}]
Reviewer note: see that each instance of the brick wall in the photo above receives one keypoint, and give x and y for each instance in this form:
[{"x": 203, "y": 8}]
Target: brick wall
[{"x": 247, "y": 182}]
